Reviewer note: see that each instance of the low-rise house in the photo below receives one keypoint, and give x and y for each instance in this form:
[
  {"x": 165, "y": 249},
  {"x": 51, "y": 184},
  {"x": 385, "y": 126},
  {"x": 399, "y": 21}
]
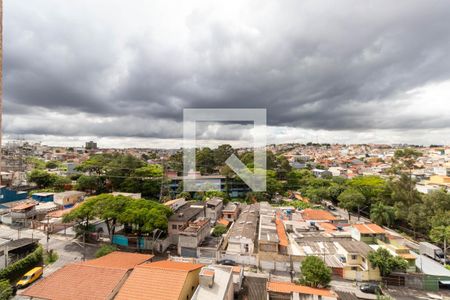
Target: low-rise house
[
  {"x": 23, "y": 212},
  {"x": 231, "y": 211},
  {"x": 368, "y": 233},
  {"x": 288, "y": 290},
  {"x": 175, "y": 204},
  {"x": 214, "y": 209},
  {"x": 180, "y": 219},
  {"x": 162, "y": 280},
  {"x": 96, "y": 279},
  {"x": 356, "y": 265},
  {"x": 242, "y": 235},
  {"x": 68, "y": 198},
  {"x": 318, "y": 215},
  {"x": 43, "y": 197},
  {"x": 401, "y": 251},
  {"x": 191, "y": 236},
  {"x": 215, "y": 282}
]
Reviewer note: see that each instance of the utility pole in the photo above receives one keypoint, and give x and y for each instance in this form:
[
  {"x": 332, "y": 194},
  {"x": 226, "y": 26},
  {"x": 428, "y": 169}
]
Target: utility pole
[{"x": 48, "y": 232}]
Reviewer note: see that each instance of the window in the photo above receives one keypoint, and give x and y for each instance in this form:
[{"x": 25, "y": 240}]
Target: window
[
  {"x": 174, "y": 226},
  {"x": 353, "y": 257},
  {"x": 363, "y": 259},
  {"x": 354, "y": 269}
]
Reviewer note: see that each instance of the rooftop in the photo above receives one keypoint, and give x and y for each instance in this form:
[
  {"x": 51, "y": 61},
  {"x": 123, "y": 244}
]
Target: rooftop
[
  {"x": 288, "y": 288},
  {"x": 222, "y": 278},
  {"x": 186, "y": 212},
  {"x": 78, "y": 281},
  {"x": 119, "y": 260},
  {"x": 245, "y": 225},
  {"x": 355, "y": 247},
  {"x": 317, "y": 214},
  {"x": 163, "y": 280},
  {"x": 369, "y": 228}
]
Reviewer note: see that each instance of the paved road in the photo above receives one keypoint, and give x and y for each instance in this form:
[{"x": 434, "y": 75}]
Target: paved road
[{"x": 68, "y": 248}]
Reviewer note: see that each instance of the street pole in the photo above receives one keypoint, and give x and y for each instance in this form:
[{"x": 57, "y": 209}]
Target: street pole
[{"x": 48, "y": 233}]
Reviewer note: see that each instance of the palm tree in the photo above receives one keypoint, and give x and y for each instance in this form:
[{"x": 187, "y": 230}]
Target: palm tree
[{"x": 382, "y": 214}]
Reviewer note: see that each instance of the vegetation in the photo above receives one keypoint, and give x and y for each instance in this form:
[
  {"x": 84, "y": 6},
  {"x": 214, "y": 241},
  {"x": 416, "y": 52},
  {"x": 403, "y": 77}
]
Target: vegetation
[
  {"x": 14, "y": 271},
  {"x": 104, "y": 250},
  {"x": 219, "y": 229},
  {"x": 142, "y": 216},
  {"x": 314, "y": 272},
  {"x": 50, "y": 257},
  {"x": 6, "y": 291},
  {"x": 44, "y": 180},
  {"x": 107, "y": 172},
  {"x": 386, "y": 262}
]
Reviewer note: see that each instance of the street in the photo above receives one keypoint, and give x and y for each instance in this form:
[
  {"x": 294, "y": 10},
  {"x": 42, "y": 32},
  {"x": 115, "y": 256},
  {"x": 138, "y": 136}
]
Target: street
[{"x": 68, "y": 248}]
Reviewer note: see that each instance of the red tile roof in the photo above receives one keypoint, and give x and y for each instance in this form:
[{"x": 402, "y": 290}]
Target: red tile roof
[
  {"x": 77, "y": 281},
  {"x": 163, "y": 280},
  {"x": 119, "y": 260},
  {"x": 94, "y": 279},
  {"x": 369, "y": 228},
  {"x": 282, "y": 237},
  {"x": 317, "y": 214},
  {"x": 288, "y": 288}
]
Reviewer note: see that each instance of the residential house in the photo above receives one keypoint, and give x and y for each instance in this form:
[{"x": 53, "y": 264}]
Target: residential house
[
  {"x": 43, "y": 197},
  {"x": 356, "y": 265},
  {"x": 368, "y": 233},
  {"x": 68, "y": 198},
  {"x": 175, "y": 204},
  {"x": 191, "y": 236},
  {"x": 313, "y": 216},
  {"x": 215, "y": 282},
  {"x": 242, "y": 234},
  {"x": 162, "y": 280},
  {"x": 181, "y": 218},
  {"x": 231, "y": 211},
  {"x": 96, "y": 279},
  {"x": 277, "y": 290},
  {"x": 214, "y": 207}
]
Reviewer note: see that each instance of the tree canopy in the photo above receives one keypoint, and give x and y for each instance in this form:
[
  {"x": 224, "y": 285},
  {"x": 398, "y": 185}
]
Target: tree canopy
[{"x": 314, "y": 272}]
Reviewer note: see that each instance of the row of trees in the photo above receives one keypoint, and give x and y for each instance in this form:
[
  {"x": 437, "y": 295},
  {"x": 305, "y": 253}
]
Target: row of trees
[
  {"x": 138, "y": 215},
  {"x": 107, "y": 172}
]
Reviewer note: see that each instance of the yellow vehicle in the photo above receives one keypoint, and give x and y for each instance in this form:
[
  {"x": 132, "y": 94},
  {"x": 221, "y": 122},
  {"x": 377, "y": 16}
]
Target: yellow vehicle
[{"x": 30, "y": 277}]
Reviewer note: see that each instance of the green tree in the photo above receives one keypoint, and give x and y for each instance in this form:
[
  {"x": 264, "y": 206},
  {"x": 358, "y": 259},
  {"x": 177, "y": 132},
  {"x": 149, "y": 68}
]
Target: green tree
[
  {"x": 351, "y": 199},
  {"x": 314, "y": 272},
  {"x": 219, "y": 229},
  {"x": 222, "y": 153},
  {"x": 441, "y": 234},
  {"x": 382, "y": 214},
  {"x": 417, "y": 218},
  {"x": 51, "y": 165},
  {"x": 90, "y": 184},
  {"x": 386, "y": 262},
  {"x": 41, "y": 178}
]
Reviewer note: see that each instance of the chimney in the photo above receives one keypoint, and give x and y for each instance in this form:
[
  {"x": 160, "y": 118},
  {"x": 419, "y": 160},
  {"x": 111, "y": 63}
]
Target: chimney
[{"x": 207, "y": 277}]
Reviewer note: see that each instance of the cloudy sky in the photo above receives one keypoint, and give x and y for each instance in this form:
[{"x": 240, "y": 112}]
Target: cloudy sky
[{"x": 121, "y": 72}]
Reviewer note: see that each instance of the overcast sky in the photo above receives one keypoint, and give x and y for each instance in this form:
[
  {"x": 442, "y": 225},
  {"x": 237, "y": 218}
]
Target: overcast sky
[{"x": 121, "y": 72}]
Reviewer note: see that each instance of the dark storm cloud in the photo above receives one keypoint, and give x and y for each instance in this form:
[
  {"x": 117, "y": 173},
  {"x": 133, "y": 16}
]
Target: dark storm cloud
[{"x": 129, "y": 71}]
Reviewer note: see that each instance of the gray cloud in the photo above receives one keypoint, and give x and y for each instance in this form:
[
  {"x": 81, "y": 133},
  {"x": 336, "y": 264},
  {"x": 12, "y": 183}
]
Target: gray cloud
[{"x": 108, "y": 69}]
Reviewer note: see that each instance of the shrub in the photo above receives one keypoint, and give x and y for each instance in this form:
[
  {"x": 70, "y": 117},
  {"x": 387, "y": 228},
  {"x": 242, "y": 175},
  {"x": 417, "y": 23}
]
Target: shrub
[
  {"x": 51, "y": 257},
  {"x": 219, "y": 229},
  {"x": 5, "y": 290},
  {"x": 14, "y": 271},
  {"x": 104, "y": 250}
]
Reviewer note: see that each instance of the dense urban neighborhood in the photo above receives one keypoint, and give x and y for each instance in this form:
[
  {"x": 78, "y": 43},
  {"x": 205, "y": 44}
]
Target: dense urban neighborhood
[{"x": 336, "y": 222}]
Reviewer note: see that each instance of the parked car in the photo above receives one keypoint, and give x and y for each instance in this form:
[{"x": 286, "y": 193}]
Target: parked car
[
  {"x": 227, "y": 262},
  {"x": 30, "y": 277},
  {"x": 331, "y": 207},
  {"x": 371, "y": 288}
]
